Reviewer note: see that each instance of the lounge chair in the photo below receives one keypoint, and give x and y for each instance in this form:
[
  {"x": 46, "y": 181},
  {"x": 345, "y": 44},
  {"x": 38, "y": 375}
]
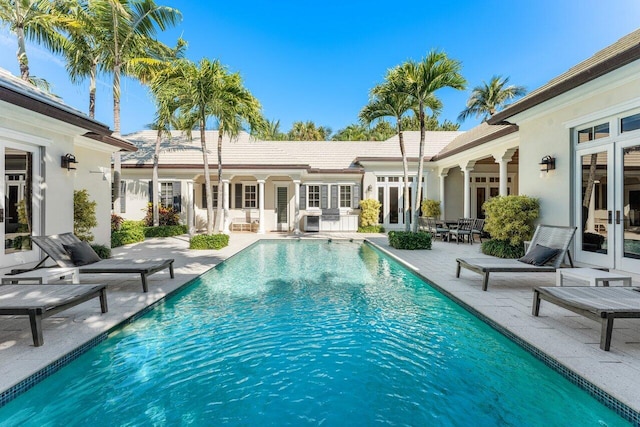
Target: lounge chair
[
  {"x": 602, "y": 304},
  {"x": 548, "y": 236},
  {"x": 53, "y": 247},
  {"x": 41, "y": 301}
]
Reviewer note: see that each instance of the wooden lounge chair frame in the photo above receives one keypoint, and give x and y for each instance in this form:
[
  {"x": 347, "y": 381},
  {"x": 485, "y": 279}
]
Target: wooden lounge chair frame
[
  {"x": 552, "y": 236},
  {"x": 603, "y": 304},
  {"x": 52, "y": 246},
  {"x": 41, "y": 301}
]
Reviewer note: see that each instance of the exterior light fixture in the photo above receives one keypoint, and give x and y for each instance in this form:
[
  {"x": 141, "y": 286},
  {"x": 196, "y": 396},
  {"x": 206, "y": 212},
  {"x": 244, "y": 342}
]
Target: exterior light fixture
[
  {"x": 547, "y": 164},
  {"x": 68, "y": 161}
]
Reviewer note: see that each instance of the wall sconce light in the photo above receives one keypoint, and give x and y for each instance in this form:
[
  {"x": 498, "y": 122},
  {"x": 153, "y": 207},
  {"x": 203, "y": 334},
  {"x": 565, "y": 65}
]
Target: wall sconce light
[
  {"x": 68, "y": 161},
  {"x": 369, "y": 188},
  {"x": 547, "y": 164}
]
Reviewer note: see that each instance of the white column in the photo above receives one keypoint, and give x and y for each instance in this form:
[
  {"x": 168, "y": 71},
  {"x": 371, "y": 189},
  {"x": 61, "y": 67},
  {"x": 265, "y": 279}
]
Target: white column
[
  {"x": 443, "y": 175},
  {"x": 261, "y": 206},
  {"x": 190, "y": 208},
  {"x": 225, "y": 206},
  {"x": 503, "y": 176},
  {"x": 467, "y": 192},
  {"x": 296, "y": 217}
]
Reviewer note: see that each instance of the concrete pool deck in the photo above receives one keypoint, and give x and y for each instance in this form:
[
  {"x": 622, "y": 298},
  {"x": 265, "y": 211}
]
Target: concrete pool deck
[{"x": 568, "y": 338}]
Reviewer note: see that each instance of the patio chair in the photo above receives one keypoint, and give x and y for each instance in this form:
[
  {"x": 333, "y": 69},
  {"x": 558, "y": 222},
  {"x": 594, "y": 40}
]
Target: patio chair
[
  {"x": 602, "y": 304},
  {"x": 437, "y": 229},
  {"x": 464, "y": 229},
  {"x": 545, "y": 254},
  {"x": 53, "y": 246},
  {"x": 41, "y": 301},
  {"x": 477, "y": 229}
]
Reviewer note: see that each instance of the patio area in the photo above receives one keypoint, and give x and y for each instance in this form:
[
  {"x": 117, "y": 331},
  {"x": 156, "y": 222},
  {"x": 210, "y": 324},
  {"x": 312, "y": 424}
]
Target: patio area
[{"x": 565, "y": 337}]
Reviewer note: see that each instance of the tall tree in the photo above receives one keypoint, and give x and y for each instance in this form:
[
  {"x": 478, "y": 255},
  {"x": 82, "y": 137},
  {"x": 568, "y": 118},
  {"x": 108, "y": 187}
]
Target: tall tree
[
  {"x": 489, "y": 98},
  {"x": 129, "y": 27},
  {"x": 270, "y": 131},
  {"x": 36, "y": 20},
  {"x": 431, "y": 123},
  {"x": 308, "y": 131},
  {"x": 207, "y": 90},
  {"x": 421, "y": 80},
  {"x": 387, "y": 102}
]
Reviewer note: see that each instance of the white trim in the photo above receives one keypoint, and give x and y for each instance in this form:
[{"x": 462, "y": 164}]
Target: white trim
[
  {"x": 603, "y": 115},
  {"x": 24, "y": 138}
]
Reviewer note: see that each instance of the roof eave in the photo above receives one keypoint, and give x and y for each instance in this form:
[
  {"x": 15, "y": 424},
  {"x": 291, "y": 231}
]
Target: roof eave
[
  {"x": 617, "y": 61},
  {"x": 475, "y": 143}
]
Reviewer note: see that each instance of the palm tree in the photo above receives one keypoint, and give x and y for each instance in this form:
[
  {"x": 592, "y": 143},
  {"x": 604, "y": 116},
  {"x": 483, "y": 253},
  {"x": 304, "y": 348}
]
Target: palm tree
[
  {"x": 421, "y": 80},
  {"x": 386, "y": 102},
  {"x": 271, "y": 131},
  {"x": 487, "y": 99},
  {"x": 203, "y": 91},
  {"x": 36, "y": 20},
  {"x": 307, "y": 131}
]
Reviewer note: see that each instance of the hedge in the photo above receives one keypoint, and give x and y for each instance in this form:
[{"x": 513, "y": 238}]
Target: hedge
[
  {"x": 209, "y": 241},
  {"x": 165, "y": 231},
  {"x": 409, "y": 240},
  {"x": 371, "y": 229},
  {"x": 502, "y": 249},
  {"x": 130, "y": 232},
  {"x": 102, "y": 251}
]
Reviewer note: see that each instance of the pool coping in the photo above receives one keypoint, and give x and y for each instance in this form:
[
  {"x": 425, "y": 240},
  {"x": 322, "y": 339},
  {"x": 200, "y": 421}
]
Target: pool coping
[
  {"x": 620, "y": 408},
  {"x": 594, "y": 391}
]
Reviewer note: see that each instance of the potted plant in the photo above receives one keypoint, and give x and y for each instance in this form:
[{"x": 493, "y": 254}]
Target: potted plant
[{"x": 431, "y": 208}]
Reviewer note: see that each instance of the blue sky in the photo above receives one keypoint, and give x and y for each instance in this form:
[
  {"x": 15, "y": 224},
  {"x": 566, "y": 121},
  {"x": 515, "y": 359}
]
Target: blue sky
[{"x": 318, "y": 60}]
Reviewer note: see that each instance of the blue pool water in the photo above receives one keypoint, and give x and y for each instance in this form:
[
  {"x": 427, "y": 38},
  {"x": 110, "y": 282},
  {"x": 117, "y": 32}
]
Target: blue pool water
[{"x": 307, "y": 333}]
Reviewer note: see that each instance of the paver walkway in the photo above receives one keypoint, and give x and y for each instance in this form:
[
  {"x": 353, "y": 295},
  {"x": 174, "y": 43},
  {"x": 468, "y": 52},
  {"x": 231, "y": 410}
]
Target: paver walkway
[{"x": 570, "y": 339}]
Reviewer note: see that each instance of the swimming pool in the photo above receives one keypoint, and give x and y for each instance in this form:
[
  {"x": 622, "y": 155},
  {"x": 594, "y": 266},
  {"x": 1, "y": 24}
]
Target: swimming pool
[{"x": 307, "y": 333}]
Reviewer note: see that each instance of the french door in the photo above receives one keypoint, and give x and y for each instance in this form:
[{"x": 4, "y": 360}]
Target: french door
[
  {"x": 19, "y": 207},
  {"x": 390, "y": 196},
  {"x": 608, "y": 205}
]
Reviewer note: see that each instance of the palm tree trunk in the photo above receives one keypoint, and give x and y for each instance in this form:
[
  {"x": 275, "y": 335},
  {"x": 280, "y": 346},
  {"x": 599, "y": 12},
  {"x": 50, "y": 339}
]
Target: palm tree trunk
[
  {"x": 405, "y": 170},
  {"x": 23, "y": 61},
  {"x": 154, "y": 182},
  {"x": 207, "y": 178},
  {"x": 219, "y": 223},
  {"x": 116, "y": 131},
  {"x": 416, "y": 211},
  {"x": 92, "y": 90},
  {"x": 591, "y": 180}
]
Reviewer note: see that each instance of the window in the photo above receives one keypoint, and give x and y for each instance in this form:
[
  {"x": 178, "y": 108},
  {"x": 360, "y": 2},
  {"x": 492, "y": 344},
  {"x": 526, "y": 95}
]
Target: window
[
  {"x": 166, "y": 194},
  {"x": 345, "y": 196},
  {"x": 214, "y": 196},
  {"x": 593, "y": 132},
  {"x": 250, "y": 196},
  {"x": 313, "y": 196},
  {"x": 630, "y": 123}
]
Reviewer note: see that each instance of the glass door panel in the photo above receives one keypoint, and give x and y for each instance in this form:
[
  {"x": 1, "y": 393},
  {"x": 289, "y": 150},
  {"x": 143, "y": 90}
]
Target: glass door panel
[
  {"x": 393, "y": 205},
  {"x": 382, "y": 205},
  {"x": 18, "y": 200},
  {"x": 630, "y": 212},
  {"x": 282, "y": 208},
  {"x": 594, "y": 205}
]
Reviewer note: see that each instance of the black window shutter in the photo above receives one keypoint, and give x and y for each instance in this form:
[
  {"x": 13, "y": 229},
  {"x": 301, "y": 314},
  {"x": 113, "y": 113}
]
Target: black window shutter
[
  {"x": 150, "y": 191},
  {"x": 177, "y": 196},
  {"x": 324, "y": 197},
  {"x": 356, "y": 196},
  {"x": 204, "y": 196},
  {"x": 238, "y": 196},
  {"x": 334, "y": 196},
  {"x": 303, "y": 197}
]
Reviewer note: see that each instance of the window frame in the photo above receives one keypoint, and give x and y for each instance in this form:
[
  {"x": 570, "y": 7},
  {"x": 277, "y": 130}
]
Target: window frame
[
  {"x": 319, "y": 196},
  {"x": 349, "y": 199},
  {"x": 246, "y": 199}
]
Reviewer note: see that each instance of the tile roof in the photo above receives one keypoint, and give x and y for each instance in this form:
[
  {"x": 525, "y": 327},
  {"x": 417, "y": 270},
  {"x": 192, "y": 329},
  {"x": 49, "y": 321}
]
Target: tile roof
[
  {"x": 477, "y": 136},
  {"x": 245, "y": 150},
  {"x": 620, "y": 53}
]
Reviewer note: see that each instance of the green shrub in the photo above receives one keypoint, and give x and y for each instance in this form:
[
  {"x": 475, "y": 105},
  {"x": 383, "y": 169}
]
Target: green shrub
[
  {"x": 166, "y": 216},
  {"x": 431, "y": 208},
  {"x": 102, "y": 251},
  {"x": 165, "y": 231},
  {"x": 369, "y": 212},
  {"x": 409, "y": 240},
  {"x": 511, "y": 218},
  {"x": 21, "y": 242},
  {"x": 130, "y": 232},
  {"x": 209, "y": 241},
  {"x": 371, "y": 229},
  {"x": 502, "y": 249},
  {"x": 84, "y": 215}
]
